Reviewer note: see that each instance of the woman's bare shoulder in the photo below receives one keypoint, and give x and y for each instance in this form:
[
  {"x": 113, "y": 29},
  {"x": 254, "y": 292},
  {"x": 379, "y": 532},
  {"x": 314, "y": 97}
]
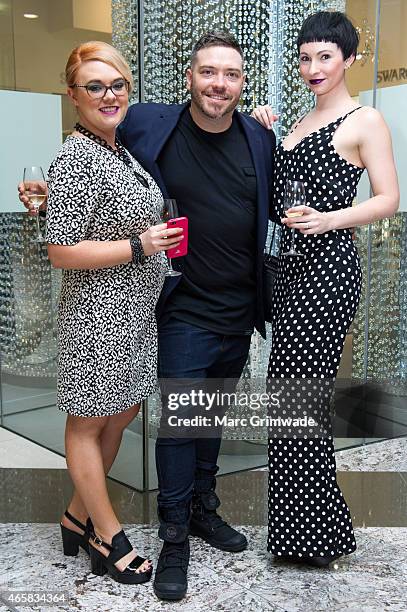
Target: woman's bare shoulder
[{"x": 370, "y": 117}]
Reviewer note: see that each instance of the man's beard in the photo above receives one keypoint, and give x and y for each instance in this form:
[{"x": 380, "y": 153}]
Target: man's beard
[{"x": 198, "y": 100}]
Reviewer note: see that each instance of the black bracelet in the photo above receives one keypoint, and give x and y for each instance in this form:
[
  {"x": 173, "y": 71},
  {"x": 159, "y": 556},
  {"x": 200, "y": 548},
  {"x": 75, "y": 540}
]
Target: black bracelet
[{"x": 137, "y": 252}]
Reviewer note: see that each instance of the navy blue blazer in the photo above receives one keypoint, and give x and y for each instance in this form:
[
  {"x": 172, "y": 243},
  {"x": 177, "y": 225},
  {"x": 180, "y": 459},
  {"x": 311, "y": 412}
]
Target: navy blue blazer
[{"x": 144, "y": 132}]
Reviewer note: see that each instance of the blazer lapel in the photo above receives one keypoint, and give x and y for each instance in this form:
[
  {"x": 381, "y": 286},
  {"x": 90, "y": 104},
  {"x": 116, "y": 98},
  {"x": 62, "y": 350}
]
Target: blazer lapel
[
  {"x": 256, "y": 149},
  {"x": 162, "y": 130}
]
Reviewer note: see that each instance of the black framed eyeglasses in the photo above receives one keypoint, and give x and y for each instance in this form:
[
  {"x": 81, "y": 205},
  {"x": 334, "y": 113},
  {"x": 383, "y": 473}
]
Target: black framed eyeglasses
[{"x": 98, "y": 90}]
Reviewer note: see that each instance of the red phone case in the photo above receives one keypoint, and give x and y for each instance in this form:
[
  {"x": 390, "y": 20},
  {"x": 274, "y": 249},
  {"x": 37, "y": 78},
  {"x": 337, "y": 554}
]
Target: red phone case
[{"x": 182, "y": 248}]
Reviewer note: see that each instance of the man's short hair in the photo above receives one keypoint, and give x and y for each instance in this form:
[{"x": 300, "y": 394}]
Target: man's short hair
[{"x": 216, "y": 38}]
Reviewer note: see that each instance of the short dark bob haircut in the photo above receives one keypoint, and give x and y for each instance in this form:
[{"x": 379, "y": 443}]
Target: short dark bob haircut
[
  {"x": 216, "y": 38},
  {"x": 330, "y": 26}
]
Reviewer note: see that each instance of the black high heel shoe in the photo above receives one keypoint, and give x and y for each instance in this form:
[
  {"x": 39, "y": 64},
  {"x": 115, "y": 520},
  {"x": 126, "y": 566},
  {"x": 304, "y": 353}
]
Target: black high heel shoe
[
  {"x": 319, "y": 562},
  {"x": 72, "y": 540},
  {"x": 120, "y": 547}
]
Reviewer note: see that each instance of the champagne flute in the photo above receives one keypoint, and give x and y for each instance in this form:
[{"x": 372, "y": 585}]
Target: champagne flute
[
  {"x": 34, "y": 185},
  {"x": 294, "y": 195},
  {"x": 170, "y": 211}
]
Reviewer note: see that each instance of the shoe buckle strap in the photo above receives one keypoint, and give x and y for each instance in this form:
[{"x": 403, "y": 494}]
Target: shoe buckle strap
[
  {"x": 99, "y": 542},
  {"x": 74, "y": 520}
]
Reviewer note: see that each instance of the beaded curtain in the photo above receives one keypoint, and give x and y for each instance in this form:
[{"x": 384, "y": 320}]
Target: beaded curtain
[
  {"x": 266, "y": 30},
  {"x": 171, "y": 28},
  {"x": 29, "y": 290},
  {"x": 125, "y": 35},
  {"x": 384, "y": 302}
]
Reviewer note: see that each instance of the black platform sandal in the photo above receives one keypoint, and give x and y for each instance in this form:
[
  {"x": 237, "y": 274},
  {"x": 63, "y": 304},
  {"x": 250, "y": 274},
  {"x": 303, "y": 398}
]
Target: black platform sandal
[
  {"x": 119, "y": 548},
  {"x": 72, "y": 540}
]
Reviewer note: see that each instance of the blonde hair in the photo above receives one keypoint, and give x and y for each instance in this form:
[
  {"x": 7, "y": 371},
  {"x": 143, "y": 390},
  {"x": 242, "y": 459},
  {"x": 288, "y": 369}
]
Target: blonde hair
[{"x": 96, "y": 50}]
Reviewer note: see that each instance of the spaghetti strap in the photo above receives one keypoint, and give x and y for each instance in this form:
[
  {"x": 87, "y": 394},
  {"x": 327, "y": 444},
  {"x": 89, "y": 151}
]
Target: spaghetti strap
[
  {"x": 342, "y": 119},
  {"x": 339, "y": 121},
  {"x": 335, "y": 123},
  {"x": 297, "y": 123}
]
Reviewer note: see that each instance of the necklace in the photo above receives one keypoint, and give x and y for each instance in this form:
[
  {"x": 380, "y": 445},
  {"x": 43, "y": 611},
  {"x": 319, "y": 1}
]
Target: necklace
[{"x": 119, "y": 152}]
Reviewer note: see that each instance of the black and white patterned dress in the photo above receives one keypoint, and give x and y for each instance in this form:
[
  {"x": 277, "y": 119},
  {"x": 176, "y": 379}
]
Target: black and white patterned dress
[
  {"x": 106, "y": 321},
  {"x": 315, "y": 301}
]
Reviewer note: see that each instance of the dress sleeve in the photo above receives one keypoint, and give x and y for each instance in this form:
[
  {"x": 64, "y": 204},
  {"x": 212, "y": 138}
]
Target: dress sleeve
[{"x": 73, "y": 193}]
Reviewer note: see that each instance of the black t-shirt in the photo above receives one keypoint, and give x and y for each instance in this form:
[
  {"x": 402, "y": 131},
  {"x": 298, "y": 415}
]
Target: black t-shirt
[{"x": 211, "y": 175}]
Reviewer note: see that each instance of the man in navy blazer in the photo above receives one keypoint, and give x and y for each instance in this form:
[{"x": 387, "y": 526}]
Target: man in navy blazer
[
  {"x": 145, "y": 131},
  {"x": 217, "y": 163}
]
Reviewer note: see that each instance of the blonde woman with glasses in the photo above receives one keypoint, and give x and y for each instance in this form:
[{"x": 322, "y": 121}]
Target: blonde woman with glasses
[{"x": 103, "y": 230}]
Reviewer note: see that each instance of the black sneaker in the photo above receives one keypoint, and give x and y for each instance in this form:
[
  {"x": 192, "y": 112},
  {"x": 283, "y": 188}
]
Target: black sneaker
[
  {"x": 208, "y": 525},
  {"x": 170, "y": 580}
]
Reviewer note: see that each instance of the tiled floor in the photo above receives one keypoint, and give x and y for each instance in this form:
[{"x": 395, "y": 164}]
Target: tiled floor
[
  {"x": 372, "y": 579},
  {"x": 35, "y": 488},
  {"x": 384, "y": 456}
]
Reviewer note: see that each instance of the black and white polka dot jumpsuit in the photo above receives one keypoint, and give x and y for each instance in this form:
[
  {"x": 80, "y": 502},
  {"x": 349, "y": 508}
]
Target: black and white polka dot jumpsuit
[{"x": 315, "y": 301}]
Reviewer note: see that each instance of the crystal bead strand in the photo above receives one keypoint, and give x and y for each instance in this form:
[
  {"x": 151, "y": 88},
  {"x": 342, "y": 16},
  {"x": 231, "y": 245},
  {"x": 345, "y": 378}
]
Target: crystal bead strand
[{"x": 125, "y": 36}]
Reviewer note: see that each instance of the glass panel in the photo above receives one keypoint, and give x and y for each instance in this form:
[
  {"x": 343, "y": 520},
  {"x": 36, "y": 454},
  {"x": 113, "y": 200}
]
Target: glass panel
[
  {"x": 29, "y": 336},
  {"x": 379, "y": 341},
  {"x": 29, "y": 290},
  {"x": 360, "y": 77},
  {"x": 28, "y": 286},
  {"x": 28, "y": 295},
  {"x": 388, "y": 344}
]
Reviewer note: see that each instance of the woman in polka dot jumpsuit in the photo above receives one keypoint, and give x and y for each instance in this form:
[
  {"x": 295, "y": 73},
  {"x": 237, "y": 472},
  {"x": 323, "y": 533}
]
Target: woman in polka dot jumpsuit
[{"x": 316, "y": 296}]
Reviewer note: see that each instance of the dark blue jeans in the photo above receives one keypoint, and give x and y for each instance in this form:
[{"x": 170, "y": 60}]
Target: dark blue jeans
[{"x": 187, "y": 351}]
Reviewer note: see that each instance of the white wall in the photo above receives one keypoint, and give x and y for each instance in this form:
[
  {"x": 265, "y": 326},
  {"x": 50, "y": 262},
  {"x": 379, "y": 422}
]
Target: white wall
[
  {"x": 93, "y": 15},
  {"x": 392, "y": 103},
  {"x": 42, "y": 46},
  {"x": 31, "y": 128}
]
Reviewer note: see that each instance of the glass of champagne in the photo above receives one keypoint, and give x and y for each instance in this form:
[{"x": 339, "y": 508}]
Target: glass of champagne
[
  {"x": 34, "y": 186},
  {"x": 170, "y": 211},
  {"x": 294, "y": 195}
]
